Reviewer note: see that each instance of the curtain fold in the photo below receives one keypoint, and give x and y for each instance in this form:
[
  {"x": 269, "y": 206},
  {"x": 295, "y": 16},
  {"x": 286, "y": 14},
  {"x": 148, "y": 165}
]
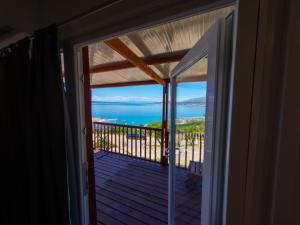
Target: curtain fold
[{"x": 33, "y": 161}]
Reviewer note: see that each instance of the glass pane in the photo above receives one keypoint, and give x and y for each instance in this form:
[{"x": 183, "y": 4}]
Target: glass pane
[{"x": 190, "y": 119}]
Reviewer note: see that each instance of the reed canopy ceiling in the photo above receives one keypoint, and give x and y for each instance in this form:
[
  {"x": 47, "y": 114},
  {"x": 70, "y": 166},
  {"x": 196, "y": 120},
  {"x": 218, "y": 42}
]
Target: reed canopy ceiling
[{"x": 159, "y": 48}]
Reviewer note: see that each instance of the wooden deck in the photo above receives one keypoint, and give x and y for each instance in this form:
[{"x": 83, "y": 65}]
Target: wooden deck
[{"x": 133, "y": 191}]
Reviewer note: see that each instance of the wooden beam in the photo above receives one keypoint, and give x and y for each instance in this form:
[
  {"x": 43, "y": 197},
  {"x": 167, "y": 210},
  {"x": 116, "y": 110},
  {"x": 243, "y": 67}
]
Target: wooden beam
[
  {"x": 117, "y": 45},
  {"x": 111, "y": 67},
  {"x": 150, "y": 60},
  {"x": 88, "y": 136},
  {"x": 166, "y": 57},
  {"x": 126, "y": 84}
]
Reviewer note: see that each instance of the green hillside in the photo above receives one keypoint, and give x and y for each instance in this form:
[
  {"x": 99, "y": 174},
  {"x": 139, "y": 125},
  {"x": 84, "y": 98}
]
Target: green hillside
[{"x": 184, "y": 125}]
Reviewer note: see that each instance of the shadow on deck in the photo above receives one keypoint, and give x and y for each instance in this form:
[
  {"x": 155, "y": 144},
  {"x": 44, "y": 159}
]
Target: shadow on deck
[{"x": 133, "y": 191}]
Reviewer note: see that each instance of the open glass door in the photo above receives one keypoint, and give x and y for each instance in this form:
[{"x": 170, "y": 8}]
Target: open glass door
[{"x": 206, "y": 64}]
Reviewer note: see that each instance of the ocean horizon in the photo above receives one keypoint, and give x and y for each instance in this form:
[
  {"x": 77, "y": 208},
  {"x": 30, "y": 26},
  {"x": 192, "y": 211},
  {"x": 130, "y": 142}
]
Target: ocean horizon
[{"x": 141, "y": 113}]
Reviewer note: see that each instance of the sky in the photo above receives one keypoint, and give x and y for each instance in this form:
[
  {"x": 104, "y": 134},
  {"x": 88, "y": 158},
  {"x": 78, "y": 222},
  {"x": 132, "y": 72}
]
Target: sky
[{"x": 147, "y": 93}]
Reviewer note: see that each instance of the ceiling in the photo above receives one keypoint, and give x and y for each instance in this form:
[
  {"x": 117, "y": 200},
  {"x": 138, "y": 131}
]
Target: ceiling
[{"x": 160, "y": 42}]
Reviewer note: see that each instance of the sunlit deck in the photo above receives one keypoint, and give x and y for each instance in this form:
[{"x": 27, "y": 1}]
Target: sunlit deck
[{"x": 134, "y": 191}]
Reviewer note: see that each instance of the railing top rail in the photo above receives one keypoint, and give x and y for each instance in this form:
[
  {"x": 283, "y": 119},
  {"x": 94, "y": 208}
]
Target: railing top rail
[{"x": 129, "y": 126}]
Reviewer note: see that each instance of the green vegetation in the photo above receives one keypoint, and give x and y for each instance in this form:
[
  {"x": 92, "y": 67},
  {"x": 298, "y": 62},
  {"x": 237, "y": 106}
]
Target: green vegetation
[
  {"x": 104, "y": 143},
  {"x": 154, "y": 125},
  {"x": 185, "y": 125},
  {"x": 192, "y": 125}
]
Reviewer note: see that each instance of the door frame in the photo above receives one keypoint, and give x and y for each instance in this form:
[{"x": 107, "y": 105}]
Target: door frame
[
  {"x": 84, "y": 136},
  {"x": 245, "y": 36},
  {"x": 88, "y": 132},
  {"x": 216, "y": 45}
]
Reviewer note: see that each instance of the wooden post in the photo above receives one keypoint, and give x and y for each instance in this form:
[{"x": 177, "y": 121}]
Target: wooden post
[
  {"x": 164, "y": 135},
  {"x": 89, "y": 141}
]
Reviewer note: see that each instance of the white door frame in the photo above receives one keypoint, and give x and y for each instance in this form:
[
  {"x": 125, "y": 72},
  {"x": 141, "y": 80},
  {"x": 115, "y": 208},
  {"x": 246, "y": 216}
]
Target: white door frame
[
  {"x": 213, "y": 44},
  {"x": 81, "y": 139}
]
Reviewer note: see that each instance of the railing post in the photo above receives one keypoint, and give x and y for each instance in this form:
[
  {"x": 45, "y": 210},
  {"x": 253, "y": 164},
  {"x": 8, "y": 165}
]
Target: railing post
[{"x": 137, "y": 142}]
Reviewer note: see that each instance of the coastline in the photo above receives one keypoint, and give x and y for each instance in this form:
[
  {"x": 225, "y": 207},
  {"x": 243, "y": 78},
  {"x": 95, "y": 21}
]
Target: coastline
[
  {"x": 139, "y": 114},
  {"x": 102, "y": 120},
  {"x": 179, "y": 120}
]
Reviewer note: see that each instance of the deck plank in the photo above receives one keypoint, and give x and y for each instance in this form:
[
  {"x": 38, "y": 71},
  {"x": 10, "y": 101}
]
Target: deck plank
[
  {"x": 133, "y": 191},
  {"x": 125, "y": 173},
  {"x": 135, "y": 213}
]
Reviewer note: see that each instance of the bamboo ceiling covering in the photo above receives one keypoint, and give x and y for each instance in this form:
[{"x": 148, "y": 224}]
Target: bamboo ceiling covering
[{"x": 160, "y": 43}]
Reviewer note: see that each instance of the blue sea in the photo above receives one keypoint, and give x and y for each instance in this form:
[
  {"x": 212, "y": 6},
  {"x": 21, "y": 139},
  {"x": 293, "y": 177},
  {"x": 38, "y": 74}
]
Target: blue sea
[{"x": 140, "y": 113}]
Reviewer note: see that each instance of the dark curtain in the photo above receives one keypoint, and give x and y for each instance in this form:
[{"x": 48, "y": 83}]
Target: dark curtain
[{"x": 33, "y": 151}]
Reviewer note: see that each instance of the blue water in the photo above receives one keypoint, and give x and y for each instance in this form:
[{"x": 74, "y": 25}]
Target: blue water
[{"x": 140, "y": 113}]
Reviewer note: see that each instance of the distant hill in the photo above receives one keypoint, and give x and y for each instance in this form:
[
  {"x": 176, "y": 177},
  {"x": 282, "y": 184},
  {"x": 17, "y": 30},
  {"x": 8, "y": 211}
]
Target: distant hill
[
  {"x": 194, "y": 101},
  {"x": 123, "y": 102}
]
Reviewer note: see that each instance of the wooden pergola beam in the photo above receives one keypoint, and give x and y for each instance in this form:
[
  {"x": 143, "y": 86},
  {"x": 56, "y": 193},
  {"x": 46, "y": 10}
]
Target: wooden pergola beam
[
  {"x": 126, "y": 84},
  {"x": 117, "y": 45},
  {"x": 150, "y": 60}
]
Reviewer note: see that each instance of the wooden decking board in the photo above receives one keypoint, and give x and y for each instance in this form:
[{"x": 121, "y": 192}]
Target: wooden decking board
[
  {"x": 135, "y": 173},
  {"x": 103, "y": 218},
  {"x": 130, "y": 166},
  {"x": 124, "y": 166},
  {"x": 121, "y": 165},
  {"x": 133, "y": 191},
  {"x": 126, "y": 173},
  {"x": 135, "y": 213},
  {"x": 152, "y": 206},
  {"x": 152, "y": 168},
  {"x": 116, "y": 214},
  {"x": 140, "y": 206},
  {"x": 181, "y": 202},
  {"x": 130, "y": 192},
  {"x": 140, "y": 186},
  {"x": 143, "y": 183},
  {"x": 133, "y": 177},
  {"x": 161, "y": 188}
]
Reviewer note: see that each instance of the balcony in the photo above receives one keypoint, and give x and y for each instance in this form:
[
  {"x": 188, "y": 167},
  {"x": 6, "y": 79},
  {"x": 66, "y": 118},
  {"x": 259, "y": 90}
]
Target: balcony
[{"x": 132, "y": 180}]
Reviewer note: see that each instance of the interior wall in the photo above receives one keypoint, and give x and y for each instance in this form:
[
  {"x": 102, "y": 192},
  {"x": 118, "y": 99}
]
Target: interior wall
[
  {"x": 115, "y": 20},
  {"x": 273, "y": 169},
  {"x": 56, "y": 11},
  {"x": 27, "y": 16},
  {"x": 20, "y": 15},
  {"x": 286, "y": 196}
]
